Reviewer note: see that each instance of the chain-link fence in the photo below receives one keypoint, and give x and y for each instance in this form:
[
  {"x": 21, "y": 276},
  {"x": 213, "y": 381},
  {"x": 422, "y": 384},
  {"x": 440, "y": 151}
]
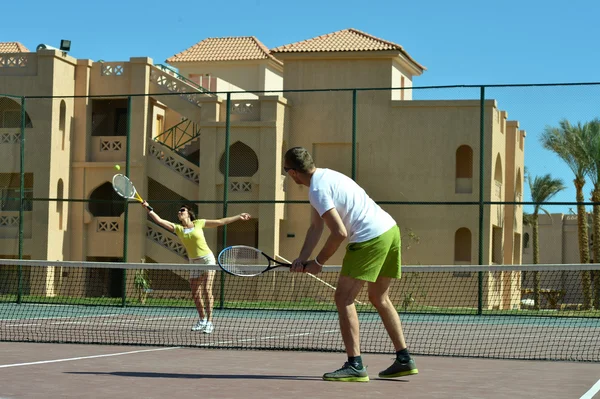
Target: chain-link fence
[{"x": 455, "y": 167}]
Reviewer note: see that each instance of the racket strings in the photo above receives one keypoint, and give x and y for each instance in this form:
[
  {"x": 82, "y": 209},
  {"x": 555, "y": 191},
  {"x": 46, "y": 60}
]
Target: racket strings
[
  {"x": 243, "y": 261},
  {"x": 123, "y": 186}
]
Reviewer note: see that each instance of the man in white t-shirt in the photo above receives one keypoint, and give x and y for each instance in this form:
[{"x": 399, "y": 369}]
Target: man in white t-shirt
[{"x": 373, "y": 255}]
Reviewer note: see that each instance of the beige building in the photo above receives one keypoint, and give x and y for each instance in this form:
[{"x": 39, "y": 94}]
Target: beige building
[
  {"x": 407, "y": 149},
  {"x": 558, "y": 244},
  {"x": 558, "y": 239}
]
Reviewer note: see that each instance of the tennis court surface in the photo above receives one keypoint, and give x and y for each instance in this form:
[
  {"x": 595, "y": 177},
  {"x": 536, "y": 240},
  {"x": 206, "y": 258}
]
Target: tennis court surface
[
  {"x": 33, "y": 370},
  {"x": 476, "y": 331}
]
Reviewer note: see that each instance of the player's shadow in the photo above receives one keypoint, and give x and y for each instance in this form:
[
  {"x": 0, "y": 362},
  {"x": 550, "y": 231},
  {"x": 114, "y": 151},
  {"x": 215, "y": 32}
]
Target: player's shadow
[{"x": 146, "y": 374}]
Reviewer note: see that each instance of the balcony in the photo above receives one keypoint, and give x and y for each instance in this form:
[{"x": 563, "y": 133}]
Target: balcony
[
  {"x": 105, "y": 236},
  {"x": 108, "y": 148},
  {"x": 9, "y": 224},
  {"x": 18, "y": 64},
  {"x": 243, "y": 111}
]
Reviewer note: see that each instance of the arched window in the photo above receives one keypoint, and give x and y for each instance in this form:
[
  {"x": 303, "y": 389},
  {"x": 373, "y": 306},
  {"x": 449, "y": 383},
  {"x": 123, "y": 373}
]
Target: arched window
[
  {"x": 242, "y": 161},
  {"x": 464, "y": 170},
  {"x": 10, "y": 114},
  {"x": 59, "y": 202},
  {"x": 105, "y": 202},
  {"x": 462, "y": 245},
  {"x": 62, "y": 121},
  {"x": 519, "y": 187},
  {"x": 498, "y": 177}
]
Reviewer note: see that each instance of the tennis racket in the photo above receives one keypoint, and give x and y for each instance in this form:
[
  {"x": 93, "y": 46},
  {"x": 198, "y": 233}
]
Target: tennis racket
[
  {"x": 318, "y": 279},
  {"x": 245, "y": 261},
  {"x": 125, "y": 188}
]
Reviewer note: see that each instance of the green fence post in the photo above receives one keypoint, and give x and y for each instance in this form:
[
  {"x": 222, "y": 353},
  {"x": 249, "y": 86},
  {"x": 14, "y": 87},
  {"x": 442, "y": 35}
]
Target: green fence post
[
  {"x": 481, "y": 187},
  {"x": 225, "y": 188},
  {"x": 126, "y": 210},
  {"x": 21, "y": 200},
  {"x": 354, "y": 134}
]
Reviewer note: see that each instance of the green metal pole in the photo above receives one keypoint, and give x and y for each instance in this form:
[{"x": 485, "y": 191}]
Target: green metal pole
[
  {"x": 225, "y": 188},
  {"x": 354, "y": 134},
  {"x": 126, "y": 216},
  {"x": 21, "y": 201},
  {"x": 481, "y": 187}
]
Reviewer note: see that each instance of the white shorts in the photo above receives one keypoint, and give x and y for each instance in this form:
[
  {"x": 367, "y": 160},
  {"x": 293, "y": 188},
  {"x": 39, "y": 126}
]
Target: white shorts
[{"x": 202, "y": 260}]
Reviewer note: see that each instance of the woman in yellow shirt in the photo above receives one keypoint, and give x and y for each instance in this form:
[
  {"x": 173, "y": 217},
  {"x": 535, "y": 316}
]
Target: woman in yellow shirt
[{"x": 191, "y": 235}]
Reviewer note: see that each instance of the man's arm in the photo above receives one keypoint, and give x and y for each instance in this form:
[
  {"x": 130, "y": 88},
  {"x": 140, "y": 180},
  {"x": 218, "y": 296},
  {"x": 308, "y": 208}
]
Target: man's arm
[
  {"x": 313, "y": 235},
  {"x": 337, "y": 235}
]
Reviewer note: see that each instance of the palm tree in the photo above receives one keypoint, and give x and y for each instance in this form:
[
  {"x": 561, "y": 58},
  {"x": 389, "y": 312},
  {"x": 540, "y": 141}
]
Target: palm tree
[
  {"x": 568, "y": 142},
  {"x": 542, "y": 189},
  {"x": 593, "y": 147}
]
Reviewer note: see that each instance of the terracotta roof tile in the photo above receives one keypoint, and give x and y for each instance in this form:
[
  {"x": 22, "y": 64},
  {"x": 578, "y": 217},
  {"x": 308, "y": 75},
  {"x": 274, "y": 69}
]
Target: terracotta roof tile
[
  {"x": 12, "y": 47},
  {"x": 225, "y": 49},
  {"x": 350, "y": 40}
]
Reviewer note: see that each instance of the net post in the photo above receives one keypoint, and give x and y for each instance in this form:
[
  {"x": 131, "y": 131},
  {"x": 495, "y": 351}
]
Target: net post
[
  {"x": 225, "y": 189},
  {"x": 126, "y": 210},
  {"x": 481, "y": 186},
  {"x": 354, "y": 134},
  {"x": 21, "y": 199}
]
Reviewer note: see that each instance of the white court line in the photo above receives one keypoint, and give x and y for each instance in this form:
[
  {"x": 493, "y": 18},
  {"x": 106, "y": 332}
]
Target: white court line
[
  {"x": 262, "y": 338},
  {"x": 67, "y": 317},
  {"x": 592, "y": 392},
  {"x": 85, "y": 357},
  {"x": 169, "y": 318}
]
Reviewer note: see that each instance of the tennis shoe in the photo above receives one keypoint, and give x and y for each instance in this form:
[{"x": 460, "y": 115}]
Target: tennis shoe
[
  {"x": 347, "y": 374},
  {"x": 200, "y": 326},
  {"x": 399, "y": 369},
  {"x": 208, "y": 329}
]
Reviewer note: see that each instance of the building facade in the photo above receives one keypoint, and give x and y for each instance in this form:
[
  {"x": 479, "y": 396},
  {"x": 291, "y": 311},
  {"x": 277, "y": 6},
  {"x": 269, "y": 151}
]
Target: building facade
[{"x": 406, "y": 149}]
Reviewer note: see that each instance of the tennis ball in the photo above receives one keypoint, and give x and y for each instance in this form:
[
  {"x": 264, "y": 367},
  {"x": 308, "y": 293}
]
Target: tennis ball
[{"x": 117, "y": 167}]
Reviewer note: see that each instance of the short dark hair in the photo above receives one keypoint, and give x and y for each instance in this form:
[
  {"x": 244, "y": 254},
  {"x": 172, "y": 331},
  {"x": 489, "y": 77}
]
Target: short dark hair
[
  {"x": 190, "y": 212},
  {"x": 298, "y": 158}
]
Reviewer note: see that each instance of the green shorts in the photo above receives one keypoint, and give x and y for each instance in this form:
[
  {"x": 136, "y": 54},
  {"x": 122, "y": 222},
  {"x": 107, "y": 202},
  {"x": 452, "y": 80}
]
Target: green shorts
[{"x": 379, "y": 256}]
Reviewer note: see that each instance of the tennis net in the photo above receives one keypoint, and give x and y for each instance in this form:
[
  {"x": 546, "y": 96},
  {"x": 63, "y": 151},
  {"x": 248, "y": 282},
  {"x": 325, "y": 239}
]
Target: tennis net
[{"x": 508, "y": 312}]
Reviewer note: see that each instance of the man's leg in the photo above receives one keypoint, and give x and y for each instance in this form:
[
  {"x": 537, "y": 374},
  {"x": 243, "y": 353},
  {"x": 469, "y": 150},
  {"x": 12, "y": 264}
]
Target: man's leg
[
  {"x": 345, "y": 294},
  {"x": 379, "y": 297}
]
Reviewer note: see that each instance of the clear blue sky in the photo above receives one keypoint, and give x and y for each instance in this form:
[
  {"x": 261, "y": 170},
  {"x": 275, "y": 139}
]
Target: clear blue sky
[{"x": 460, "y": 42}]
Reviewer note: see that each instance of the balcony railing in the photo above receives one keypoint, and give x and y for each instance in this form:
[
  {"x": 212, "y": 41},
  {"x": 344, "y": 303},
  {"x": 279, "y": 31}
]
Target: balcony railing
[
  {"x": 108, "y": 148},
  {"x": 9, "y": 224},
  {"x": 107, "y": 224},
  {"x": 175, "y": 83},
  {"x": 164, "y": 239},
  {"x": 171, "y": 72},
  {"x": 112, "y": 69},
  {"x": 10, "y": 136},
  {"x": 178, "y": 136},
  {"x": 174, "y": 161}
]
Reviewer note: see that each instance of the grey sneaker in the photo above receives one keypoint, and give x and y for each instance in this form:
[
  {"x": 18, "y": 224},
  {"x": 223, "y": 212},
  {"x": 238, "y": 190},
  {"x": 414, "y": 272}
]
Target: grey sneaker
[
  {"x": 347, "y": 374},
  {"x": 200, "y": 325},
  {"x": 208, "y": 328},
  {"x": 398, "y": 369}
]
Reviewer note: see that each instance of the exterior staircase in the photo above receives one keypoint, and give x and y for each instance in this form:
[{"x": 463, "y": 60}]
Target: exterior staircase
[
  {"x": 167, "y": 163},
  {"x": 187, "y": 102}
]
